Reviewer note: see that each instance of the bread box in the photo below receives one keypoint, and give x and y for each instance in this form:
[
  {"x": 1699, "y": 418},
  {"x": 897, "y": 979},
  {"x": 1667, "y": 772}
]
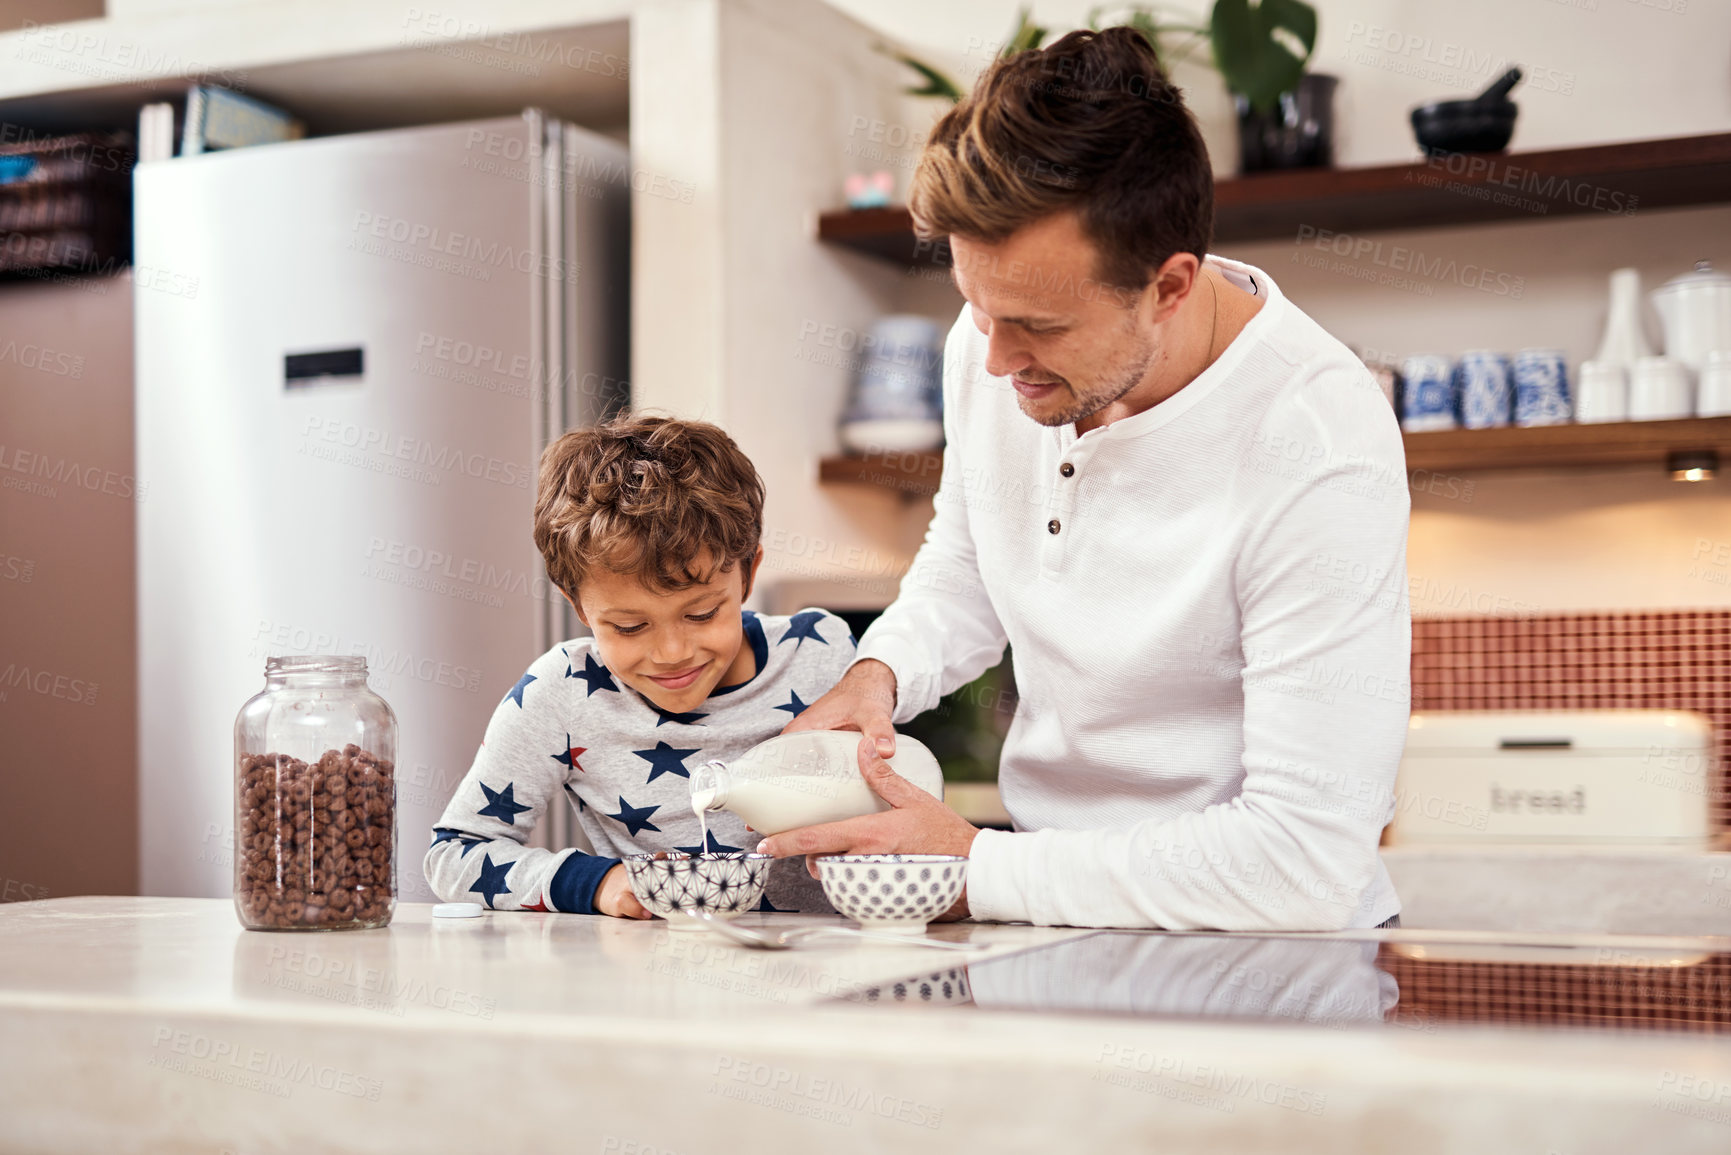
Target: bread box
[{"x": 1564, "y": 777}]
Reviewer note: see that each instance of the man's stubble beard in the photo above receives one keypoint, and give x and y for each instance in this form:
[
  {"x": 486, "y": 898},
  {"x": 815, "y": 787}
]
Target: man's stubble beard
[{"x": 1089, "y": 402}]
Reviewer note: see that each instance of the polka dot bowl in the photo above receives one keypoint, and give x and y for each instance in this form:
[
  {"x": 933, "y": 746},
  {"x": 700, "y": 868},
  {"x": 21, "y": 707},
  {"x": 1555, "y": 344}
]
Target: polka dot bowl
[
  {"x": 898, "y": 893},
  {"x": 945, "y": 988},
  {"x": 725, "y": 885}
]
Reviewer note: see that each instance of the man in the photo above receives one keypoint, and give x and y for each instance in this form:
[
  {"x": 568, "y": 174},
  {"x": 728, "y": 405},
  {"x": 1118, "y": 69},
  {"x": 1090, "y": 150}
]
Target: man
[{"x": 1182, "y": 503}]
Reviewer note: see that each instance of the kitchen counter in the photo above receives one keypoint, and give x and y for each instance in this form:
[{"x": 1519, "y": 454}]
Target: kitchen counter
[{"x": 148, "y": 1024}]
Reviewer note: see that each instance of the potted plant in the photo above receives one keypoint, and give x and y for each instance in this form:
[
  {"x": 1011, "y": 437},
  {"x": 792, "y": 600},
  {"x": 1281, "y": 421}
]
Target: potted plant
[
  {"x": 935, "y": 82},
  {"x": 1285, "y": 115}
]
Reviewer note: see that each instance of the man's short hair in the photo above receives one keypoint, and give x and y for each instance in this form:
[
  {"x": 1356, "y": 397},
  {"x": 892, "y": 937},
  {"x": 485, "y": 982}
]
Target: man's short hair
[
  {"x": 1089, "y": 123},
  {"x": 646, "y": 497}
]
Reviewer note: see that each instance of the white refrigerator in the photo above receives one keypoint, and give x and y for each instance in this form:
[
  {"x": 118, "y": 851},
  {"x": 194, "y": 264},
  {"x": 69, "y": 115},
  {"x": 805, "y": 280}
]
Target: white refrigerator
[{"x": 350, "y": 353}]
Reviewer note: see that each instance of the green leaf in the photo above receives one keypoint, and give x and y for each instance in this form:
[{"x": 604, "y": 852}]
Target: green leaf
[
  {"x": 1255, "y": 62},
  {"x": 1027, "y": 35},
  {"x": 936, "y": 83}
]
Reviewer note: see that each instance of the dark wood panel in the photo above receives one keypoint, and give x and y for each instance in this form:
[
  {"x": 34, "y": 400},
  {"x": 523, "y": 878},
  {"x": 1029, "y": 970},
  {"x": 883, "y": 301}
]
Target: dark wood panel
[
  {"x": 1605, "y": 180},
  {"x": 1456, "y": 450},
  {"x": 912, "y": 474},
  {"x": 886, "y": 232},
  {"x": 1544, "y": 446},
  {"x": 1609, "y": 180}
]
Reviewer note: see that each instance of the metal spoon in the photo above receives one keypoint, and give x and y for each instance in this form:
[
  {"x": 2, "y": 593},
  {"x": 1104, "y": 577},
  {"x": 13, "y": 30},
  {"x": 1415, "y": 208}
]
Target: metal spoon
[{"x": 786, "y": 939}]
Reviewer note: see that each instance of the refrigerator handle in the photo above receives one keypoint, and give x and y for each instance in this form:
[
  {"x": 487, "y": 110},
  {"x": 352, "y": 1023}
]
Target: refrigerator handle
[{"x": 546, "y": 312}]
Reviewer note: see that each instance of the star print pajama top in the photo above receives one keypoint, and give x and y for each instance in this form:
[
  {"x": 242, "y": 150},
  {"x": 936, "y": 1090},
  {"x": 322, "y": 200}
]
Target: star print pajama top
[{"x": 571, "y": 728}]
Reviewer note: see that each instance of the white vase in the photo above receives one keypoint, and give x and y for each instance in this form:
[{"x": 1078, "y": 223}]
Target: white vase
[{"x": 1625, "y": 339}]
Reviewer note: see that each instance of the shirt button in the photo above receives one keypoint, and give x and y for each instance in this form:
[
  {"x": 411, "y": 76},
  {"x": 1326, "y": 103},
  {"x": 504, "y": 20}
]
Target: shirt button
[
  {"x": 1066, "y": 469},
  {"x": 1052, "y": 526}
]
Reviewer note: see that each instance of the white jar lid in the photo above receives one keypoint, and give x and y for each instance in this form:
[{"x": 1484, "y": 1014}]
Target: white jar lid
[
  {"x": 457, "y": 910},
  {"x": 1703, "y": 276}
]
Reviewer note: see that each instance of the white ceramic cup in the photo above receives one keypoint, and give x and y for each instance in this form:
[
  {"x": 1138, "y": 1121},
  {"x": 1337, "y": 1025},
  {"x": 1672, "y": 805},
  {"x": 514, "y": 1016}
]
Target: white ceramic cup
[
  {"x": 1715, "y": 393},
  {"x": 1601, "y": 393},
  {"x": 1659, "y": 390}
]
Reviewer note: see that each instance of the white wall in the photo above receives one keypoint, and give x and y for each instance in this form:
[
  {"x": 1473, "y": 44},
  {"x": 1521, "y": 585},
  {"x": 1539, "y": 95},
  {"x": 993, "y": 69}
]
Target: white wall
[
  {"x": 1550, "y": 539},
  {"x": 766, "y": 106},
  {"x": 1612, "y": 69},
  {"x": 752, "y": 102},
  {"x": 1510, "y": 542}
]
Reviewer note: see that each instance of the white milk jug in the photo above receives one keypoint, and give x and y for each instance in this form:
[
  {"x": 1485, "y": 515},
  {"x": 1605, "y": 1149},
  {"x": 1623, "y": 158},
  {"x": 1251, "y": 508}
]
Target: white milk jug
[{"x": 804, "y": 778}]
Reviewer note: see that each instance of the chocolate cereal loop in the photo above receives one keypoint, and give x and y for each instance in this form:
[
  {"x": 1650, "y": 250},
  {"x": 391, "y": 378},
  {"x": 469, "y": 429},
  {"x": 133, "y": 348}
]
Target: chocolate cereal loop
[{"x": 314, "y": 843}]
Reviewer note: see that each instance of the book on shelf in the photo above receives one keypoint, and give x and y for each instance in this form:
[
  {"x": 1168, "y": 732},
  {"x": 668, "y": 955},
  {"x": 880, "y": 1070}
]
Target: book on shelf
[
  {"x": 155, "y": 132},
  {"x": 217, "y": 118},
  {"x": 65, "y": 203}
]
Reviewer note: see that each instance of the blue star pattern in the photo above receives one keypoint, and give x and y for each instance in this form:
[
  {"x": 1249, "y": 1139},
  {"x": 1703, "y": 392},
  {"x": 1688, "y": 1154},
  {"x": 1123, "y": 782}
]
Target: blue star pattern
[
  {"x": 516, "y": 694},
  {"x": 685, "y": 718},
  {"x": 715, "y": 846},
  {"x": 753, "y": 629},
  {"x": 803, "y": 626},
  {"x": 492, "y": 879},
  {"x": 446, "y": 834},
  {"x": 624, "y": 753},
  {"x": 501, "y": 804},
  {"x": 665, "y": 759},
  {"x": 594, "y": 675},
  {"x": 635, "y": 818}
]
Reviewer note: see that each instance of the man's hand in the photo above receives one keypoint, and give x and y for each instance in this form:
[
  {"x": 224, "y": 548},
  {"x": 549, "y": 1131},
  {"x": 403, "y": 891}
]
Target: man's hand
[
  {"x": 863, "y": 700},
  {"x": 917, "y": 824},
  {"x": 614, "y": 896}
]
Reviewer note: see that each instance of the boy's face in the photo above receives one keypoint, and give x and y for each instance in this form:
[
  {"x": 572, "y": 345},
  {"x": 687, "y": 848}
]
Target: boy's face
[{"x": 673, "y": 648}]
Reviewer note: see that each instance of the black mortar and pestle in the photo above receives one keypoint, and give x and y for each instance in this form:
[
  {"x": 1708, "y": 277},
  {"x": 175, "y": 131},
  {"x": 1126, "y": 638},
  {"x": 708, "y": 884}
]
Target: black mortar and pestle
[{"x": 1483, "y": 124}]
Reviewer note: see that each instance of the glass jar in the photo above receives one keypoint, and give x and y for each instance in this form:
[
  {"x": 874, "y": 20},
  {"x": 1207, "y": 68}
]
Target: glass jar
[{"x": 315, "y": 803}]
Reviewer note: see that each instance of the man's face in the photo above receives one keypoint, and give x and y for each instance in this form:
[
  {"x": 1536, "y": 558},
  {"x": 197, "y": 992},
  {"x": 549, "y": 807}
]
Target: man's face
[
  {"x": 1069, "y": 344},
  {"x": 673, "y": 648}
]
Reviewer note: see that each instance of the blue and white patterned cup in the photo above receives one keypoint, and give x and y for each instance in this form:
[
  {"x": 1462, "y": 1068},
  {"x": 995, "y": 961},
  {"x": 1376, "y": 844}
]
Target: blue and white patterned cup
[
  {"x": 1541, "y": 388},
  {"x": 1427, "y": 393},
  {"x": 1484, "y": 391}
]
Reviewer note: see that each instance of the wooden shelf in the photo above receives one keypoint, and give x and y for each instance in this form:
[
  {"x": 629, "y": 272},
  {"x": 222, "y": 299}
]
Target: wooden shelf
[
  {"x": 1608, "y": 180},
  {"x": 1456, "y": 450},
  {"x": 887, "y": 233},
  {"x": 1551, "y": 446},
  {"x": 913, "y": 474}
]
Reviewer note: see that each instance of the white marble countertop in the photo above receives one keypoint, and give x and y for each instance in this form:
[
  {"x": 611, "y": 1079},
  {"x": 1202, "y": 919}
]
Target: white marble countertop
[{"x": 142, "y": 1025}]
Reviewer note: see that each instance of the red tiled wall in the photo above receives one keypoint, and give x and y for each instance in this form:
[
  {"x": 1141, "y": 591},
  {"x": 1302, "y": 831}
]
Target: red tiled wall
[
  {"x": 1675, "y": 660},
  {"x": 1654, "y": 996}
]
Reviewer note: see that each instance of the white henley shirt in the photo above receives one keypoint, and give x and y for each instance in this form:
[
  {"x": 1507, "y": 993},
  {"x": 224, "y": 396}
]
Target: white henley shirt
[{"x": 1211, "y": 636}]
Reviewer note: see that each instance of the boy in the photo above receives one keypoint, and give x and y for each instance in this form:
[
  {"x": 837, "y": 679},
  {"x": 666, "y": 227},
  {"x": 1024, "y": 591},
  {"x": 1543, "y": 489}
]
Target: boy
[{"x": 650, "y": 527}]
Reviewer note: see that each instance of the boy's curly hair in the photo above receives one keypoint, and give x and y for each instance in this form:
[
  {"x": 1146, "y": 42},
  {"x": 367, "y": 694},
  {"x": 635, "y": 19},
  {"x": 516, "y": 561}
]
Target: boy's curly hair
[{"x": 645, "y": 497}]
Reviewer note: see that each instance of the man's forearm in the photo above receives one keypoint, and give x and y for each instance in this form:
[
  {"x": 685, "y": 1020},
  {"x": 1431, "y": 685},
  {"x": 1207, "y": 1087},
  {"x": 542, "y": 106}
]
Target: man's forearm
[{"x": 870, "y": 678}]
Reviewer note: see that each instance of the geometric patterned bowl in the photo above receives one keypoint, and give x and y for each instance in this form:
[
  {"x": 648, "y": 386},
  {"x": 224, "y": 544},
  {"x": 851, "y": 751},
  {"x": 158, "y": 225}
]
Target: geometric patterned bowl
[
  {"x": 898, "y": 893},
  {"x": 669, "y": 881}
]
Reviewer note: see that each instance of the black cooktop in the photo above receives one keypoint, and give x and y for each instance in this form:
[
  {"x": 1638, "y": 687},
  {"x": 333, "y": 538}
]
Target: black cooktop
[{"x": 1407, "y": 982}]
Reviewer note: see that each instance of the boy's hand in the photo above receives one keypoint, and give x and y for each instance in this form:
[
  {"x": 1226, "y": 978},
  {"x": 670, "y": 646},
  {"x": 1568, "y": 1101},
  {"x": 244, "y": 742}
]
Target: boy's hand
[{"x": 614, "y": 896}]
